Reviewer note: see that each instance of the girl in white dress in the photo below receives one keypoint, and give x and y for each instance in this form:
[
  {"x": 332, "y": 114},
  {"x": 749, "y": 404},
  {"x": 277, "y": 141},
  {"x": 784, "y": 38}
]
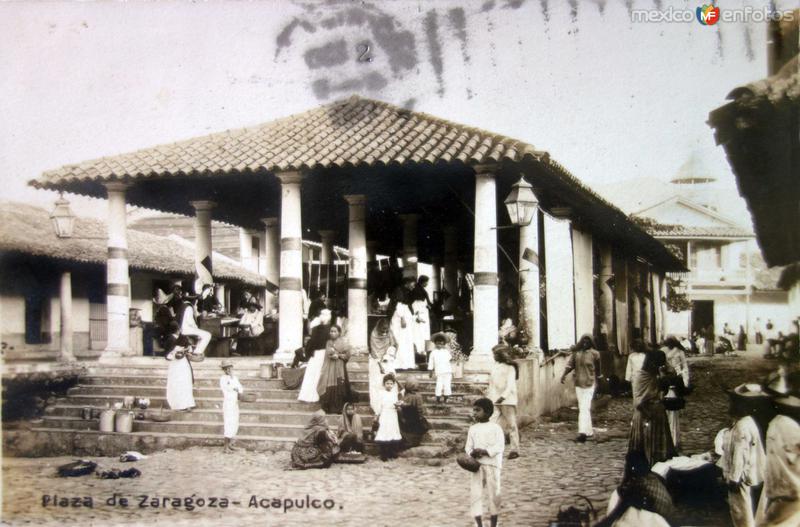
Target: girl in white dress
[{"x": 388, "y": 437}]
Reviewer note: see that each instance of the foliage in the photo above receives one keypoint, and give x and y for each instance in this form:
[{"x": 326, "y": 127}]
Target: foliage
[{"x": 676, "y": 300}]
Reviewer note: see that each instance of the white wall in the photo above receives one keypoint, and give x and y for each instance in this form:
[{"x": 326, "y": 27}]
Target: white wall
[{"x": 560, "y": 279}]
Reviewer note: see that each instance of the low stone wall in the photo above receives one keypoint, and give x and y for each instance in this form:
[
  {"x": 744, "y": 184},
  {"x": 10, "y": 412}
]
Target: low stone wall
[{"x": 539, "y": 387}]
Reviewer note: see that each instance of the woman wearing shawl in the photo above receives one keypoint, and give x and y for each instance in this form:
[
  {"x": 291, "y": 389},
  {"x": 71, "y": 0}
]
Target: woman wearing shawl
[
  {"x": 420, "y": 308},
  {"x": 413, "y": 424},
  {"x": 382, "y": 351},
  {"x": 650, "y": 432},
  {"x": 334, "y": 386},
  {"x": 317, "y": 448},
  {"x": 350, "y": 430}
]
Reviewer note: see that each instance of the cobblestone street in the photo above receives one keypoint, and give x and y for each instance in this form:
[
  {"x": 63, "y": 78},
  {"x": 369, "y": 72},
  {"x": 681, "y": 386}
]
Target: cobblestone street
[{"x": 552, "y": 469}]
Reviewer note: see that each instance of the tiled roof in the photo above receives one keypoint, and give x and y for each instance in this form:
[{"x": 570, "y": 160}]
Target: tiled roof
[
  {"x": 666, "y": 231},
  {"x": 28, "y": 230},
  {"x": 758, "y": 129},
  {"x": 353, "y": 132}
]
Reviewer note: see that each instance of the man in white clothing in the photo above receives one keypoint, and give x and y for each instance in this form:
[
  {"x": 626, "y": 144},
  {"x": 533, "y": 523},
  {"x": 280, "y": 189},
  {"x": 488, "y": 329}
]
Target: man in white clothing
[
  {"x": 231, "y": 388},
  {"x": 743, "y": 463},
  {"x": 189, "y": 326},
  {"x": 503, "y": 393},
  {"x": 485, "y": 443}
]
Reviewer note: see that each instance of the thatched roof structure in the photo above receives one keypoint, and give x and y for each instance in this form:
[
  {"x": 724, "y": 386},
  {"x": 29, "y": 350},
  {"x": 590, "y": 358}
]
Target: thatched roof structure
[{"x": 27, "y": 230}]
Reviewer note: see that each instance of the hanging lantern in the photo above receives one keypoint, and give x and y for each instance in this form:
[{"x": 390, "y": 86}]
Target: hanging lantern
[
  {"x": 62, "y": 218},
  {"x": 521, "y": 203}
]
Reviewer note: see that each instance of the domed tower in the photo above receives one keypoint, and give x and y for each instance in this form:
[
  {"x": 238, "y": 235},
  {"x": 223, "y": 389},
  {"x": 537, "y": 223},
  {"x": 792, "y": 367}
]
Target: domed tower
[{"x": 696, "y": 182}]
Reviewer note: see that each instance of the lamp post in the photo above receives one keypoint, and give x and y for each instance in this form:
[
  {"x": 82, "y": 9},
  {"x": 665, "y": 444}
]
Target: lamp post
[
  {"x": 522, "y": 205},
  {"x": 62, "y": 218}
]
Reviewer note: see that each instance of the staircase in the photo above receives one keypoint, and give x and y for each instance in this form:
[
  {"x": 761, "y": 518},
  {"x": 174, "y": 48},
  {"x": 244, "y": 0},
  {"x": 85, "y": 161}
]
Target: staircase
[{"x": 271, "y": 423}]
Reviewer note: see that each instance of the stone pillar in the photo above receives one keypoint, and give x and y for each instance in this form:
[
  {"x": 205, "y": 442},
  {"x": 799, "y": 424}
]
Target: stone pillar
[
  {"x": 203, "y": 270},
  {"x": 451, "y": 266},
  {"x": 291, "y": 268},
  {"x": 65, "y": 303},
  {"x": 607, "y": 293},
  {"x": 245, "y": 248},
  {"x": 357, "y": 308},
  {"x": 118, "y": 299},
  {"x": 485, "y": 316},
  {"x": 529, "y": 307},
  {"x": 272, "y": 245},
  {"x": 410, "y": 245}
]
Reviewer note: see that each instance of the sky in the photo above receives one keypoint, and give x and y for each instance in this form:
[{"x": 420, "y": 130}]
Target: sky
[{"x": 610, "y": 98}]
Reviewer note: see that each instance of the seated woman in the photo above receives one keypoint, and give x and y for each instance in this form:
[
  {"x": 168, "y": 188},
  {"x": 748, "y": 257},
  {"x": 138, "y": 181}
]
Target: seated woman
[
  {"x": 318, "y": 447},
  {"x": 413, "y": 424},
  {"x": 350, "y": 430},
  {"x": 641, "y": 499}
]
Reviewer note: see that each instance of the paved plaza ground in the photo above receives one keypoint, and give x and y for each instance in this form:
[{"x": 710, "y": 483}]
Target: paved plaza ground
[{"x": 552, "y": 469}]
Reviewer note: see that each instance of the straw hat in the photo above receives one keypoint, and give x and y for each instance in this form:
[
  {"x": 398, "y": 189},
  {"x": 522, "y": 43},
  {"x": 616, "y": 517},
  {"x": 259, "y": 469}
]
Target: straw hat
[
  {"x": 162, "y": 298},
  {"x": 440, "y": 336},
  {"x": 226, "y": 364}
]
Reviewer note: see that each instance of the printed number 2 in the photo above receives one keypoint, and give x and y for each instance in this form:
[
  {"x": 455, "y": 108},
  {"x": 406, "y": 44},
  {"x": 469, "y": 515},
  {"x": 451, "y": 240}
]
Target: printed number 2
[{"x": 364, "y": 56}]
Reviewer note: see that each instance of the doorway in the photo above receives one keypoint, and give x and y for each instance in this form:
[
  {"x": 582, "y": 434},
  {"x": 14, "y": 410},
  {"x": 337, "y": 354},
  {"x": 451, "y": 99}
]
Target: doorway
[{"x": 702, "y": 316}]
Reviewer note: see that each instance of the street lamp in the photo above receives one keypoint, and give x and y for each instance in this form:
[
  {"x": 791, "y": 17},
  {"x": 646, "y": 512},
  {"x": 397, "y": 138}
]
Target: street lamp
[
  {"x": 62, "y": 217},
  {"x": 521, "y": 203}
]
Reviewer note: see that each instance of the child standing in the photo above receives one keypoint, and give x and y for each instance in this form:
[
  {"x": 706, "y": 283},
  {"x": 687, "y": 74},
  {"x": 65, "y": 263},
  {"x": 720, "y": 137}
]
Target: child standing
[
  {"x": 503, "y": 393},
  {"x": 231, "y": 388},
  {"x": 388, "y": 436},
  {"x": 485, "y": 442},
  {"x": 439, "y": 365}
]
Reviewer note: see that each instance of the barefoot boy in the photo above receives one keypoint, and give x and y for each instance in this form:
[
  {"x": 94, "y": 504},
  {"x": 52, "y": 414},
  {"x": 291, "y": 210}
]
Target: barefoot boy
[
  {"x": 485, "y": 442},
  {"x": 231, "y": 388}
]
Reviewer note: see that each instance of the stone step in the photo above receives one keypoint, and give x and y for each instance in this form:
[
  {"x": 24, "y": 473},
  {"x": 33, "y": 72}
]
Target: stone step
[
  {"x": 100, "y": 401},
  {"x": 358, "y": 382},
  {"x": 45, "y": 441},
  {"x": 263, "y": 416},
  {"x": 155, "y": 391}
]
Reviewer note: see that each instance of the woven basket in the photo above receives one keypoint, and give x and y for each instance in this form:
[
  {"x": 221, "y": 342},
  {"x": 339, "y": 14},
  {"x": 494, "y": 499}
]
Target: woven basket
[
  {"x": 161, "y": 416},
  {"x": 248, "y": 397}
]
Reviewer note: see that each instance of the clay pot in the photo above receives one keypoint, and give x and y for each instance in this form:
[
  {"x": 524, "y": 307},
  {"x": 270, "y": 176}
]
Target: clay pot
[
  {"x": 266, "y": 371},
  {"x": 124, "y": 422}
]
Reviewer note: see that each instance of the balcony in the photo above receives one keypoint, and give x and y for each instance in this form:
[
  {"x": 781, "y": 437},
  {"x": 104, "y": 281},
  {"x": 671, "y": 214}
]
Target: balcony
[{"x": 700, "y": 278}]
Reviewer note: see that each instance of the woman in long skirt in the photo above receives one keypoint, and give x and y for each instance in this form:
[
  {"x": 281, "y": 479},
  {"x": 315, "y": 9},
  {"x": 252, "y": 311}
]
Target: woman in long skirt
[
  {"x": 420, "y": 308},
  {"x": 382, "y": 350},
  {"x": 334, "y": 386},
  {"x": 402, "y": 329},
  {"x": 180, "y": 377},
  {"x": 650, "y": 433}
]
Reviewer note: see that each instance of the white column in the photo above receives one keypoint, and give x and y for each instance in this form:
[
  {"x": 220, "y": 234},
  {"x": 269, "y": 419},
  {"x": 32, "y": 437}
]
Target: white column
[
  {"x": 118, "y": 299},
  {"x": 272, "y": 259},
  {"x": 65, "y": 302},
  {"x": 485, "y": 317},
  {"x": 409, "y": 244},
  {"x": 607, "y": 296},
  {"x": 263, "y": 251},
  {"x": 291, "y": 268},
  {"x": 203, "y": 270},
  {"x": 529, "y": 280},
  {"x": 357, "y": 281},
  {"x": 245, "y": 248},
  {"x": 451, "y": 266},
  {"x": 326, "y": 259}
]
